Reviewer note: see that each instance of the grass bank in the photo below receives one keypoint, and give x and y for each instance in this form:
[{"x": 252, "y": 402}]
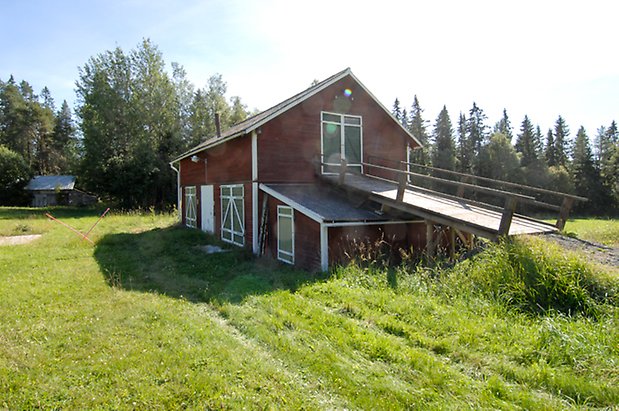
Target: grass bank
[{"x": 145, "y": 319}]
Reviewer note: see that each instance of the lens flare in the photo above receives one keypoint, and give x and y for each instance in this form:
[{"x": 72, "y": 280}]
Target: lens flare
[{"x": 347, "y": 92}]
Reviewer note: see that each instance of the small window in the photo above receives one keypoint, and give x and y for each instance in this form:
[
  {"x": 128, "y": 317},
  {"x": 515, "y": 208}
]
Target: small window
[
  {"x": 190, "y": 207},
  {"x": 233, "y": 214},
  {"x": 285, "y": 234},
  {"x": 335, "y": 118}
]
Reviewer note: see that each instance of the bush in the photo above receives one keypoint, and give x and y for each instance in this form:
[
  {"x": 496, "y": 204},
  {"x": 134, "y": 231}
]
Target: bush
[{"x": 14, "y": 175}]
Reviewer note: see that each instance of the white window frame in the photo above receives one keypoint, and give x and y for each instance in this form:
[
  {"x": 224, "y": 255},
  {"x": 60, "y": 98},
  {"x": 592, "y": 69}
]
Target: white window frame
[
  {"x": 228, "y": 234},
  {"x": 191, "y": 207},
  {"x": 284, "y": 255},
  {"x": 342, "y": 123}
]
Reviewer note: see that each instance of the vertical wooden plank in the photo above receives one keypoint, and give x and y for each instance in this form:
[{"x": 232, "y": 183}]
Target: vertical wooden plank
[
  {"x": 452, "y": 242},
  {"x": 401, "y": 187},
  {"x": 564, "y": 212},
  {"x": 508, "y": 214},
  {"x": 430, "y": 239}
]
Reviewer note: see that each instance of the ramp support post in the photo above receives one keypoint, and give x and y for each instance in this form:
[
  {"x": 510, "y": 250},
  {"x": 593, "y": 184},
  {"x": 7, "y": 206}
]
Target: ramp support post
[
  {"x": 564, "y": 212},
  {"x": 508, "y": 214},
  {"x": 430, "y": 246}
]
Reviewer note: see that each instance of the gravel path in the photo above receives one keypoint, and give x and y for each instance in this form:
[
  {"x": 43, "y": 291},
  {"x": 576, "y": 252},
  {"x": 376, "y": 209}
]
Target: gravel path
[
  {"x": 19, "y": 239},
  {"x": 598, "y": 252}
]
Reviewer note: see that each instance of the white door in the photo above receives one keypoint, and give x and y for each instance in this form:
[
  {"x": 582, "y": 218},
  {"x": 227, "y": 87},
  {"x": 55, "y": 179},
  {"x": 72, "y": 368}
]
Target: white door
[{"x": 208, "y": 208}]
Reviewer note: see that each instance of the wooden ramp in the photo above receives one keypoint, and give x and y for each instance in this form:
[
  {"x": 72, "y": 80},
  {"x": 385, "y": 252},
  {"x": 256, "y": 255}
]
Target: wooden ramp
[{"x": 462, "y": 214}]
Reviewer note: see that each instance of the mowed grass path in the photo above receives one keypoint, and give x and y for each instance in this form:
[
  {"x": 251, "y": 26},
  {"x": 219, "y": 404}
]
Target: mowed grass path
[{"x": 145, "y": 320}]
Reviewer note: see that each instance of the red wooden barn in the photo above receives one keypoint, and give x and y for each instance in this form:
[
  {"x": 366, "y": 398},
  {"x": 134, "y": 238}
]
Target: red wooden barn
[
  {"x": 328, "y": 167},
  {"x": 258, "y": 184}
]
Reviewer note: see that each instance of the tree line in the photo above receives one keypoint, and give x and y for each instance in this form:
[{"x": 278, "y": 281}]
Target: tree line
[
  {"x": 36, "y": 138},
  {"x": 133, "y": 118},
  {"x": 551, "y": 160}
]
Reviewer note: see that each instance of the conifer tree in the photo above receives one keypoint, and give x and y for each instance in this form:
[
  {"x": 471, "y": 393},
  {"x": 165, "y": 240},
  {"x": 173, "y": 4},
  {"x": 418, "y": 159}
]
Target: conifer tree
[
  {"x": 561, "y": 134},
  {"x": 586, "y": 176},
  {"x": 444, "y": 150},
  {"x": 525, "y": 143},
  {"x": 465, "y": 152},
  {"x": 397, "y": 110},
  {"x": 417, "y": 127},
  {"x": 404, "y": 119},
  {"x": 504, "y": 126},
  {"x": 550, "y": 151},
  {"x": 477, "y": 134}
]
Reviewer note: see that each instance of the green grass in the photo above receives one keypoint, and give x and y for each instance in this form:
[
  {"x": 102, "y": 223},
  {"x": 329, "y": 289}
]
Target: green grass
[
  {"x": 604, "y": 231},
  {"x": 146, "y": 320}
]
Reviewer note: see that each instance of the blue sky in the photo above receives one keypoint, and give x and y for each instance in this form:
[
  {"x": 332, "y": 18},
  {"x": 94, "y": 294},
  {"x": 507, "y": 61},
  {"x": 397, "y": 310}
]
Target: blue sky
[{"x": 537, "y": 57}]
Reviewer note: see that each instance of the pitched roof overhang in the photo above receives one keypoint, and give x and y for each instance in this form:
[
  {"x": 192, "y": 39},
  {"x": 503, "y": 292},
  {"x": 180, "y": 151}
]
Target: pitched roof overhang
[{"x": 254, "y": 122}]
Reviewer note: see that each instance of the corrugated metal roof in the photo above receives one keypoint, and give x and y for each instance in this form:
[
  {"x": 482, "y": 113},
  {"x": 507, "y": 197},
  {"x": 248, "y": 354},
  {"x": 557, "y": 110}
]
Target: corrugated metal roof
[
  {"x": 259, "y": 119},
  {"x": 40, "y": 183},
  {"x": 322, "y": 202}
]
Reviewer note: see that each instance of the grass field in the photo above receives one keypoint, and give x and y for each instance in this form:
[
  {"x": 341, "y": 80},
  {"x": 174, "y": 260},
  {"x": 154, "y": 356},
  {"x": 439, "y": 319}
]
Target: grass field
[
  {"x": 145, "y": 320},
  {"x": 604, "y": 231}
]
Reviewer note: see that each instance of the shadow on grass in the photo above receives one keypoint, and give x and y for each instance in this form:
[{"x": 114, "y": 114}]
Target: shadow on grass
[{"x": 169, "y": 261}]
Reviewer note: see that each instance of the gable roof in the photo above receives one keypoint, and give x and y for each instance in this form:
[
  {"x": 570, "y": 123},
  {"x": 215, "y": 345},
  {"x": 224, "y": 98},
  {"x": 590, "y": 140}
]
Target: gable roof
[
  {"x": 41, "y": 183},
  {"x": 252, "y": 123}
]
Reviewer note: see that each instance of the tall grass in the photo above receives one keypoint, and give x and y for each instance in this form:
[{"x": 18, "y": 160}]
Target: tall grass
[{"x": 534, "y": 276}]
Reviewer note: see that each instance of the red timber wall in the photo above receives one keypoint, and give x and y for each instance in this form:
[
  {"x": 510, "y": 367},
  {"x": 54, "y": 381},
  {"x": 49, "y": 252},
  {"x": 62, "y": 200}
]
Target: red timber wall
[
  {"x": 288, "y": 144},
  {"x": 306, "y": 237},
  {"x": 227, "y": 163},
  {"x": 353, "y": 240}
]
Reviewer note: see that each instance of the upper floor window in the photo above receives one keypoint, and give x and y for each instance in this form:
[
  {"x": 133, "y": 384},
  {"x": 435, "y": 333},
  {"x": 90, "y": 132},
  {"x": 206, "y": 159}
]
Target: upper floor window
[{"x": 342, "y": 138}]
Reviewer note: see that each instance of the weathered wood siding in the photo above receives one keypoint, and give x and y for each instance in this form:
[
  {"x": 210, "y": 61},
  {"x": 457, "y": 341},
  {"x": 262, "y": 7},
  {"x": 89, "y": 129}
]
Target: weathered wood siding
[
  {"x": 228, "y": 163},
  {"x": 288, "y": 144},
  {"x": 306, "y": 237},
  {"x": 374, "y": 241}
]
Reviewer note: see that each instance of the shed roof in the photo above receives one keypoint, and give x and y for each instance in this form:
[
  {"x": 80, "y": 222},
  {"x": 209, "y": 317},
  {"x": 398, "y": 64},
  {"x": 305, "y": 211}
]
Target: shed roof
[
  {"x": 42, "y": 183},
  {"x": 322, "y": 203},
  {"x": 254, "y": 122}
]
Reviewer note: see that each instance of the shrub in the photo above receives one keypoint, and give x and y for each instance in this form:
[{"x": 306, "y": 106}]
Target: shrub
[{"x": 14, "y": 175}]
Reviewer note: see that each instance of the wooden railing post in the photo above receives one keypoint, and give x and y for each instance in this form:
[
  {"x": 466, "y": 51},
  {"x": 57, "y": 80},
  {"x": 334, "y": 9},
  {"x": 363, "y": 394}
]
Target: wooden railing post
[
  {"x": 343, "y": 167},
  {"x": 506, "y": 217},
  {"x": 401, "y": 187},
  {"x": 564, "y": 212}
]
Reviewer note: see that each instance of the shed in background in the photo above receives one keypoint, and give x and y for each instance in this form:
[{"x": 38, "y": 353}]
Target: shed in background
[{"x": 57, "y": 190}]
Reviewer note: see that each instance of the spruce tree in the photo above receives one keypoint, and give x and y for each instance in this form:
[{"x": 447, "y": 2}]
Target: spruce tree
[
  {"x": 477, "y": 134},
  {"x": 550, "y": 151},
  {"x": 444, "y": 150},
  {"x": 465, "y": 152},
  {"x": 561, "y": 134},
  {"x": 397, "y": 110},
  {"x": 64, "y": 144},
  {"x": 504, "y": 126},
  {"x": 525, "y": 143},
  {"x": 417, "y": 127},
  {"x": 585, "y": 175},
  {"x": 404, "y": 119}
]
